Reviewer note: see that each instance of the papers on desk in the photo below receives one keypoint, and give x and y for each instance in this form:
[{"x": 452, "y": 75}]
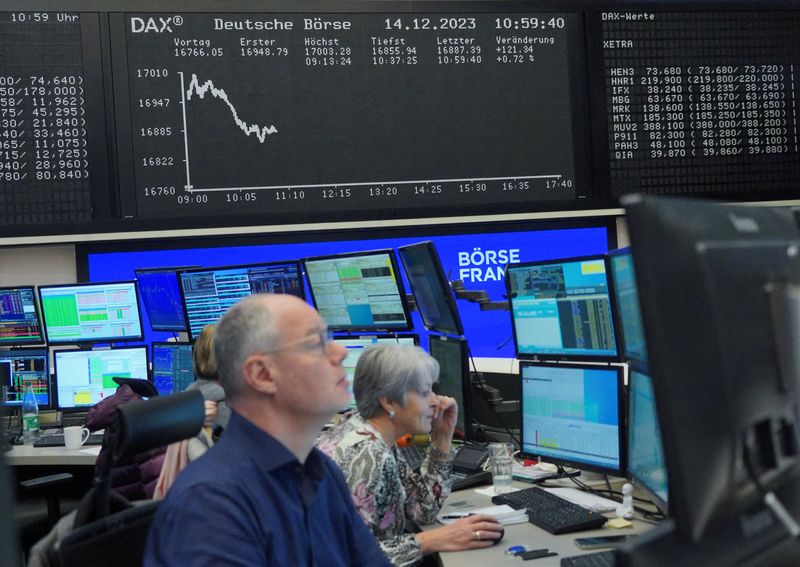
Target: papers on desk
[
  {"x": 91, "y": 450},
  {"x": 585, "y": 499},
  {"x": 504, "y": 513},
  {"x": 532, "y": 473}
]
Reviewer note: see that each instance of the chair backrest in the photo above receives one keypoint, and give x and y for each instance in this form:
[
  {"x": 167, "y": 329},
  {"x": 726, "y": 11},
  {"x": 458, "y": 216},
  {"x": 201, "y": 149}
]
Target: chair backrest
[{"x": 138, "y": 426}]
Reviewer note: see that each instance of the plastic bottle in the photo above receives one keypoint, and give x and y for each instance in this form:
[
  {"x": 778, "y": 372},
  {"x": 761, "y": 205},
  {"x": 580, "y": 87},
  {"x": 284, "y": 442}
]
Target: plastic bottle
[{"x": 30, "y": 416}]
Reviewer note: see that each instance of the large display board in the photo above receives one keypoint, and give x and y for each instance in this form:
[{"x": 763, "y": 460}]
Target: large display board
[{"x": 310, "y": 111}]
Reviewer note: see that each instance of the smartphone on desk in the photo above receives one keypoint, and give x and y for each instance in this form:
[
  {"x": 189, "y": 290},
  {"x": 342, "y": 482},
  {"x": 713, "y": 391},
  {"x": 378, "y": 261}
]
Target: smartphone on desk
[{"x": 599, "y": 542}]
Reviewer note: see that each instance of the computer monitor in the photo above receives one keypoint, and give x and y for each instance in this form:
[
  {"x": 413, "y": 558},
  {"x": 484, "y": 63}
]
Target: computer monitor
[
  {"x": 91, "y": 313},
  {"x": 454, "y": 377},
  {"x": 719, "y": 288},
  {"x": 431, "y": 288},
  {"x": 19, "y": 317},
  {"x": 623, "y": 283},
  {"x": 207, "y": 293},
  {"x": 173, "y": 367},
  {"x": 358, "y": 291},
  {"x": 356, "y": 345},
  {"x": 572, "y": 415},
  {"x": 161, "y": 298},
  {"x": 646, "y": 466},
  {"x": 21, "y": 367},
  {"x": 86, "y": 377},
  {"x": 561, "y": 309}
]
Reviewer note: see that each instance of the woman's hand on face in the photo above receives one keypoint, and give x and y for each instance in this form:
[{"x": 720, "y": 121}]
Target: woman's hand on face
[
  {"x": 472, "y": 532},
  {"x": 445, "y": 415},
  {"x": 211, "y": 413}
]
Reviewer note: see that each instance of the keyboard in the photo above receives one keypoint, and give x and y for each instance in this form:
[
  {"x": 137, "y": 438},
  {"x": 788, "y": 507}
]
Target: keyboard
[
  {"x": 599, "y": 559},
  {"x": 57, "y": 440},
  {"x": 550, "y": 512}
]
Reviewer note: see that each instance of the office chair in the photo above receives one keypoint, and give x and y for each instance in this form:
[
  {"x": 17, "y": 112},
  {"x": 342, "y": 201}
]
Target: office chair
[{"x": 107, "y": 525}]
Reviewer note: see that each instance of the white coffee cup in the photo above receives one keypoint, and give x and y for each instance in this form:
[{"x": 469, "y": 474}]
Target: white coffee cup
[{"x": 75, "y": 437}]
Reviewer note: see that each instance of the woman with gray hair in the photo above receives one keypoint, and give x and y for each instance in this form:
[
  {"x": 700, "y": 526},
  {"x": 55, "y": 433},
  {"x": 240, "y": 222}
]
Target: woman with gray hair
[{"x": 393, "y": 389}]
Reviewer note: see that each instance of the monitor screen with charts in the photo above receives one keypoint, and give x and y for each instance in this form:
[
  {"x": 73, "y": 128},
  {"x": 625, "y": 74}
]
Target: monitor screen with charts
[
  {"x": 356, "y": 345},
  {"x": 19, "y": 317},
  {"x": 454, "y": 380},
  {"x": 86, "y": 377},
  {"x": 572, "y": 415},
  {"x": 431, "y": 288},
  {"x": 173, "y": 367},
  {"x": 161, "y": 298},
  {"x": 21, "y": 367},
  {"x": 358, "y": 291},
  {"x": 646, "y": 465},
  {"x": 207, "y": 293},
  {"x": 91, "y": 313},
  {"x": 561, "y": 309}
]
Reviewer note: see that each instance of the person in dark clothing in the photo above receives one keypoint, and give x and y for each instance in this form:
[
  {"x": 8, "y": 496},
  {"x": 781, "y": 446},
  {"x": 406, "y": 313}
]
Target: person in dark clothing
[{"x": 136, "y": 478}]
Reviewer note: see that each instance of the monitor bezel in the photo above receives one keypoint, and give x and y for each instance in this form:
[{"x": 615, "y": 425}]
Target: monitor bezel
[
  {"x": 466, "y": 382},
  {"x": 100, "y": 340},
  {"x": 54, "y": 380},
  {"x": 445, "y": 291},
  {"x": 37, "y": 309},
  {"x": 641, "y": 368},
  {"x": 621, "y": 419},
  {"x": 174, "y": 270},
  {"x": 180, "y": 273},
  {"x": 397, "y": 278},
  {"x": 154, "y": 344},
  {"x": 32, "y": 351},
  {"x": 567, "y": 357}
]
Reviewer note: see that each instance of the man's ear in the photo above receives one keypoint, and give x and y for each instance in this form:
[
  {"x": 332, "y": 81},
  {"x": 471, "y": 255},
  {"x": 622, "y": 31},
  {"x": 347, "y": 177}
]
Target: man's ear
[{"x": 259, "y": 373}]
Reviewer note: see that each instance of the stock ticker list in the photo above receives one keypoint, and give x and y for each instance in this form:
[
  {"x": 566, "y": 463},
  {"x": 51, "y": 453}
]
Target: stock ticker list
[
  {"x": 294, "y": 112},
  {"x": 702, "y": 102},
  {"x": 44, "y": 167}
]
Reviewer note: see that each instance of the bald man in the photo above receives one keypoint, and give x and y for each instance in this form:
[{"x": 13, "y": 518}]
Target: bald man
[{"x": 263, "y": 495}]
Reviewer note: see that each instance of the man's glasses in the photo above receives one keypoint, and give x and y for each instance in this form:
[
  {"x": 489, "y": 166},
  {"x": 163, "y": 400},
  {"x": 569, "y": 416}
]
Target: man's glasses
[{"x": 320, "y": 342}]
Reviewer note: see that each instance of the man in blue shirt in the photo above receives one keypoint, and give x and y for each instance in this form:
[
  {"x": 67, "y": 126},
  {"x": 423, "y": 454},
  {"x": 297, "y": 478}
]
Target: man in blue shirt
[{"x": 264, "y": 495}]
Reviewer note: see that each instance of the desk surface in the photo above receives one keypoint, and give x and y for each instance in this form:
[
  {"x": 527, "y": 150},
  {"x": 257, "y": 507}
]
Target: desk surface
[
  {"x": 522, "y": 534},
  {"x": 21, "y": 455}
]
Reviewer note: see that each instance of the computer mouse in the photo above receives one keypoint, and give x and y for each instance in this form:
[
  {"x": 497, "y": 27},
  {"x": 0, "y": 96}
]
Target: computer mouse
[{"x": 498, "y": 540}]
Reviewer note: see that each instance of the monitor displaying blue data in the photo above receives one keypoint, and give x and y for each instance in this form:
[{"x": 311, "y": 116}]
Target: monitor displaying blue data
[
  {"x": 646, "y": 465},
  {"x": 19, "y": 317},
  {"x": 86, "y": 377},
  {"x": 359, "y": 291},
  {"x": 623, "y": 280},
  {"x": 161, "y": 298},
  {"x": 18, "y": 369},
  {"x": 356, "y": 345},
  {"x": 572, "y": 415},
  {"x": 561, "y": 309},
  {"x": 207, "y": 293},
  {"x": 91, "y": 313},
  {"x": 173, "y": 367}
]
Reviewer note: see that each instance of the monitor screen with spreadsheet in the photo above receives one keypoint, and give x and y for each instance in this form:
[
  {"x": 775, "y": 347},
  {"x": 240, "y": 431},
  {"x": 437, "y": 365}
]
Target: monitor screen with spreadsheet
[
  {"x": 572, "y": 415},
  {"x": 91, "y": 313},
  {"x": 207, "y": 293},
  {"x": 173, "y": 367},
  {"x": 21, "y": 367},
  {"x": 161, "y": 298},
  {"x": 19, "y": 317},
  {"x": 358, "y": 291},
  {"x": 86, "y": 377},
  {"x": 356, "y": 345}
]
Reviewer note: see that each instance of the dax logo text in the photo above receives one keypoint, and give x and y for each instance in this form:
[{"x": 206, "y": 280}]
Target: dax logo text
[{"x": 155, "y": 25}]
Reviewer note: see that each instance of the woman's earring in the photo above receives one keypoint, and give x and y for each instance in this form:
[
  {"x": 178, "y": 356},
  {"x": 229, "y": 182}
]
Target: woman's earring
[{"x": 391, "y": 414}]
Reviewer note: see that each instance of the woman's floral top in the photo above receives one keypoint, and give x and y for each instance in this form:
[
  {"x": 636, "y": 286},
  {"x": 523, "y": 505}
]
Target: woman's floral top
[{"x": 385, "y": 489}]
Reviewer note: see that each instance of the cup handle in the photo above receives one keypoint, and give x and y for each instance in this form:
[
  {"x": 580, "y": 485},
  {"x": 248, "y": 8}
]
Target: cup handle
[{"x": 85, "y": 435}]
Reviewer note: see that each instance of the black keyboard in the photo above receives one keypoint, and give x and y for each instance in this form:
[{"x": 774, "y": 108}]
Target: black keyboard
[
  {"x": 550, "y": 512},
  {"x": 57, "y": 440},
  {"x": 599, "y": 559}
]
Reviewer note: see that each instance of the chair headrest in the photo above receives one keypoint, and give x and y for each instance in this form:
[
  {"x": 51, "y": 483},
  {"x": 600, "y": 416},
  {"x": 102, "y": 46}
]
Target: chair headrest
[{"x": 147, "y": 424}]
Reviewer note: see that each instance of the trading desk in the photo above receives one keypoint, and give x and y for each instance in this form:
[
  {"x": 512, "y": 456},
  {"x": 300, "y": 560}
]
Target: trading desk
[
  {"x": 522, "y": 534},
  {"x": 28, "y": 455}
]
